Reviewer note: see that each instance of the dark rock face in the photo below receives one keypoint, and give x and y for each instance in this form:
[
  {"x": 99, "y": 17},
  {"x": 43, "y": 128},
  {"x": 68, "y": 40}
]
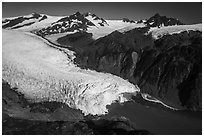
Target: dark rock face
[
  {"x": 113, "y": 53},
  {"x": 13, "y": 22},
  {"x": 43, "y": 18},
  {"x": 75, "y": 22},
  {"x": 16, "y": 21},
  {"x": 171, "y": 70},
  {"x": 157, "y": 21},
  {"x": 168, "y": 68},
  {"x": 127, "y": 20},
  {"x": 28, "y": 24},
  {"x": 78, "y": 39}
]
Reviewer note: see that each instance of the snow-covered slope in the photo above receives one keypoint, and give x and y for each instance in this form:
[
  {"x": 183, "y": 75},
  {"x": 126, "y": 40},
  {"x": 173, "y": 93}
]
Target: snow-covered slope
[
  {"x": 46, "y": 25},
  {"x": 29, "y": 22},
  {"x": 113, "y": 25},
  {"x": 159, "y": 32},
  {"x": 43, "y": 72},
  {"x": 39, "y": 25},
  {"x": 88, "y": 22},
  {"x": 97, "y": 21}
]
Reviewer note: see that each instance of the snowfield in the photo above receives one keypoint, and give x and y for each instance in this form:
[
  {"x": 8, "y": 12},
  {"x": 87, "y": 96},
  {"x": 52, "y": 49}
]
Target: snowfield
[
  {"x": 43, "y": 72},
  {"x": 159, "y": 32},
  {"x": 113, "y": 25}
]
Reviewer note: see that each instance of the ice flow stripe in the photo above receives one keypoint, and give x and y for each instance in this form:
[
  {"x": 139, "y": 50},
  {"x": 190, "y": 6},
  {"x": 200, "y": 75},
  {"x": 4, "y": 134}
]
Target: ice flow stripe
[{"x": 42, "y": 73}]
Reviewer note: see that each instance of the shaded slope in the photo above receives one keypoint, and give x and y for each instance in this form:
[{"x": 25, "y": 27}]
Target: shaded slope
[
  {"x": 163, "y": 68},
  {"x": 158, "y": 21}
]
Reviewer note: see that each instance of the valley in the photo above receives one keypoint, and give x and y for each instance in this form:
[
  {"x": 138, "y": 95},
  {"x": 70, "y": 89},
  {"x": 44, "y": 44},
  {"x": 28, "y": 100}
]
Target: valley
[{"x": 89, "y": 73}]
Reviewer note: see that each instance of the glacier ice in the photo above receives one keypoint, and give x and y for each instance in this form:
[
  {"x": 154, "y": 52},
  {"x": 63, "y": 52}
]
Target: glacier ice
[
  {"x": 159, "y": 32},
  {"x": 44, "y": 73}
]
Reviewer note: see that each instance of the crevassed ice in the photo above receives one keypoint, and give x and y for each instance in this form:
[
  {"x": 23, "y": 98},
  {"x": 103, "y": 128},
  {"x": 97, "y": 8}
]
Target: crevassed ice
[{"x": 44, "y": 73}]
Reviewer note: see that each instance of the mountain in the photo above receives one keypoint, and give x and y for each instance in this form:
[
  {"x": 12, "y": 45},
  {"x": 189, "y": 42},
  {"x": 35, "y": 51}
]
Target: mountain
[
  {"x": 22, "y": 21},
  {"x": 162, "y": 67},
  {"x": 127, "y": 20},
  {"x": 158, "y": 21},
  {"x": 75, "y": 22},
  {"x": 95, "y": 19},
  {"x": 70, "y": 72},
  {"x": 160, "y": 54},
  {"x": 34, "y": 21},
  {"x": 88, "y": 22}
]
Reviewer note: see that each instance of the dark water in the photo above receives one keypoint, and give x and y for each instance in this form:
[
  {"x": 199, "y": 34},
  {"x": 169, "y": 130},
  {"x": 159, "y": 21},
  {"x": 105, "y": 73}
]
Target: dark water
[
  {"x": 158, "y": 120},
  {"x": 144, "y": 115}
]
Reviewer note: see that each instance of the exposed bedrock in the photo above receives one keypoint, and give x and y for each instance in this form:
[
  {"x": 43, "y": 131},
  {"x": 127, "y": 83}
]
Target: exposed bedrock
[{"x": 168, "y": 68}]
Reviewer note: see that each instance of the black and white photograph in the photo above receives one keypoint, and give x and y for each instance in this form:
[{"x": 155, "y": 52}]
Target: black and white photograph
[{"x": 101, "y": 68}]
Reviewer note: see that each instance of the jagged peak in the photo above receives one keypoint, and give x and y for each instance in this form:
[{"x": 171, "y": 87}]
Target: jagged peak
[
  {"x": 156, "y": 15},
  {"x": 157, "y": 20},
  {"x": 36, "y": 15},
  {"x": 87, "y": 14},
  {"x": 77, "y": 13},
  {"x": 128, "y": 20}
]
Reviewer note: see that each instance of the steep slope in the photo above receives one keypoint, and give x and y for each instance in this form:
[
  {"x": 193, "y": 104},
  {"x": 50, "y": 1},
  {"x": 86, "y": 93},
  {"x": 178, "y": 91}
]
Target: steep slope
[
  {"x": 49, "y": 26},
  {"x": 86, "y": 22},
  {"x": 75, "y": 22},
  {"x": 29, "y": 63},
  {"x": 26, "y": 21},
  {"x": 133, "y": 52},
  {"x": 161, "y": 67},
  {"x": 171, "y": 69},
  {"x": 95, "y": 19},
  {"x": 158, "y": 21}
]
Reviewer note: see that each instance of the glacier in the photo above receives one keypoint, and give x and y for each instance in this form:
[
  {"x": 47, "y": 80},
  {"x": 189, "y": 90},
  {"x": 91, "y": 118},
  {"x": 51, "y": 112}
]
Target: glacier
[
  {"x": 43, "y": 72},
  {"x": 164, "y": 30}
]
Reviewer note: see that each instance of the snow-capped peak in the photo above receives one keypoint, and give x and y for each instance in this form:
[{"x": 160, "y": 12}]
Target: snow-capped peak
[
  {"x": 158, "y": 21},
  {"x": 98, "y": 21}
]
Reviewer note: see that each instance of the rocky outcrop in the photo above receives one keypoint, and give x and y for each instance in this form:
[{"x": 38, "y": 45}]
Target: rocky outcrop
[
  {"x": 16, "y": 22},
  {"x": 128, "y": 20},
  {"x": 171, "y": 70},
  {"x": 74, "y": 22},
  {"x": 158, "y": 21},
  {"x": 168, "y": 68}
]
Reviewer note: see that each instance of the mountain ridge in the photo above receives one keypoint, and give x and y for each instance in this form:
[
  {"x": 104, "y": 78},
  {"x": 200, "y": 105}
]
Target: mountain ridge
[
  {"x": 127, "y": 52},
  {"x": 86, "y": 19}
]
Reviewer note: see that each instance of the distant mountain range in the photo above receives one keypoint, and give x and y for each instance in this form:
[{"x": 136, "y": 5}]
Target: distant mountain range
[{"x": 47, "y": 25}]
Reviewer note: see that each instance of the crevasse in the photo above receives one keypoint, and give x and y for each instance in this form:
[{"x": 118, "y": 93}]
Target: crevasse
[{"x": 43, "y": 73}]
